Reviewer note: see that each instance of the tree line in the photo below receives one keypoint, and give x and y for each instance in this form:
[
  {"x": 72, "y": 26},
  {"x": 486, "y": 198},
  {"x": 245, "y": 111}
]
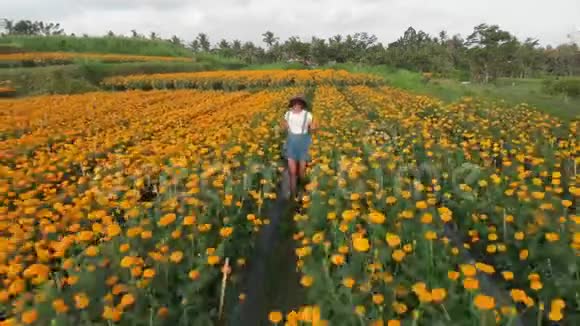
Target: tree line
[{"x": 487, "y": 53}]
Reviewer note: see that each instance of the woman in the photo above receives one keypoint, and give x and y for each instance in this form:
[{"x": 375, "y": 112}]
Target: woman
[{"x": 299, "y": 124}]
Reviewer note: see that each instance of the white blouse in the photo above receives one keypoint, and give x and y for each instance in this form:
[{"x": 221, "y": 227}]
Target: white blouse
[{"x": 296, "y": 122}]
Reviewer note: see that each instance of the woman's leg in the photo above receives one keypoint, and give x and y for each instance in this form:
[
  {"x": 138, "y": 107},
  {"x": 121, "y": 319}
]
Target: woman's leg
[
  {"x": 302, "y": 171},
  {"x": 292, "y": 171}
]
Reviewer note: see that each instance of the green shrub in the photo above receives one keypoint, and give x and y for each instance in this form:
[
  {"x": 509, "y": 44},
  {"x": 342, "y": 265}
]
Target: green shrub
[
  {"x": 565, "y": 86},
  {"x": 121, "y": 45}
]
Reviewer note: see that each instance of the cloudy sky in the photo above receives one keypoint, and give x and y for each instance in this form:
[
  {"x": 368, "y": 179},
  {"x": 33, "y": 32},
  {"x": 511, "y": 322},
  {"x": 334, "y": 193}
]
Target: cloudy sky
[{"x": 549, "y": 21}]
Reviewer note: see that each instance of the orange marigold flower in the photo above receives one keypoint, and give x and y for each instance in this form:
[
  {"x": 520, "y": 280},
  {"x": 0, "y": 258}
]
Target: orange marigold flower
[
  {"x": 59, "y": 306},
  {"x": 393, "y": 240},
  {"x": 213, "y": 260},
  {"x": 167, "y": 219},
  {"x": 149, "y": 273},
  {"x": 484, "y": 302},
  {"x": 29, "y": 316},
  {"x": 81, "y": 300},
  {"x": 194, "y": 274},
  {"x": 438, "y": 294}
]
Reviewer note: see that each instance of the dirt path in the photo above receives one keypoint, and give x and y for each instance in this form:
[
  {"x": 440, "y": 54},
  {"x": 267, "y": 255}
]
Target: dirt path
[{"x": 272, "y": 282}]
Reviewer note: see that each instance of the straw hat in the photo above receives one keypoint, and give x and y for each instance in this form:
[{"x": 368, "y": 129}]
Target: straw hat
[{"x": 297, "y": 98}]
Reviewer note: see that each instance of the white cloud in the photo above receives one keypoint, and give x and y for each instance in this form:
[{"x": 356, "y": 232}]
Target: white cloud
[{"x": 248, "y": 19}]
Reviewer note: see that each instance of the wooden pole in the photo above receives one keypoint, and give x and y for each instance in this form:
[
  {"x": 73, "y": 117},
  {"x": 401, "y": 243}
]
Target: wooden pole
[{"x": 225, "y": 271}]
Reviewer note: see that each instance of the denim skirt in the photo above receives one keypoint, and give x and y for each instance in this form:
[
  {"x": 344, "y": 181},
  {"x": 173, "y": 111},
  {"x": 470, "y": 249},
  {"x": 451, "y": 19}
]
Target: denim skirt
[{"x": 297, "y": 146}]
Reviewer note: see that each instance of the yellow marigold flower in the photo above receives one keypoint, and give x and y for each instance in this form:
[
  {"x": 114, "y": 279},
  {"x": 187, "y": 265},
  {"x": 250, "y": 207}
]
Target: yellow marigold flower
[
  {"x": 111, "y": 313},
  {"x": 430, "y": 235},
  {"x": 488, "y": 269},
  {"x": 349, "y": 215},
  {"x": 378, "y": 299},
  {"x": 398, "y": 255},
  {"x": 127, "y": 300},
  {"x": 453, "y": 275},
  {"x": 337, "y": 259},
  {"x": 189, "y": 220},
  {"x": 421, "y": 204},
  {"x": 226, "y": 231},
  {"x": 558, "y": 304},
  {"x": 348, "y": 282},
  {"x": 275, "y": 317},
  {"x": 427, "y": 218},
  {"x": 399, "y": 307},
  {"x": 484, "y": 302},
  {"x": 471, "y": 283},
  {"x": 536, "y": 285},
  {"x": 566, "y": 203},
  {"x": 555, "y": 315},
  {"x": 176, "y": 256},
  {"x": 378, "y": 322},
  {"x": 306, "y": 280},
  {"x": 507, "y": 275},
  {"x": 303, "y": 251},
  {"x": 377, "y": 217},
  {"x": 360, "y": 310},
  {"x": 538, "y": 195},
  {"x": 318, "y": 237},
  {"x": 85, "y": 236},
  {"x": 92, "y": 251},
  {"x": 518, "y": 295},
  {"x": 127, "y": 261},
  {"x": 393, "y": 322},
  {"x": 445, "y": 214},
  {"x": 524, "y": 254},
  {"x": 119, "y": 288},
  {"x": 113, "y": 230},
  {"x": 361, "y": 244},
  {"x": 390, "y": 200},
  {"x": 552, "y": 236}
]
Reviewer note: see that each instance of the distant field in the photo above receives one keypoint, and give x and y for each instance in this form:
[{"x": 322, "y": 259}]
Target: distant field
[
  {"x": 509, "y": 91},
  {"x": 236, "y": 79},
  {"x": 55, "y": 58}
]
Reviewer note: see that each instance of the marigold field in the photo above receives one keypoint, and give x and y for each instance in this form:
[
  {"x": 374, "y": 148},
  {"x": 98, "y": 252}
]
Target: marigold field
[{"x": 123, "y": 207}]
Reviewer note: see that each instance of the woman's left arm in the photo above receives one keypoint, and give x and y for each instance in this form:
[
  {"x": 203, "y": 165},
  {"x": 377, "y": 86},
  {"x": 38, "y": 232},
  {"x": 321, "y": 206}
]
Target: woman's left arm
[{"x": 312, "y": 125}]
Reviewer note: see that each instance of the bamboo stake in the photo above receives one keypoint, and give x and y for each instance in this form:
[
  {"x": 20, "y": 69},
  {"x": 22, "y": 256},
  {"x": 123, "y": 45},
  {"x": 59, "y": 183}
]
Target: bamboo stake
[{"x": 225, "y": 271}]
